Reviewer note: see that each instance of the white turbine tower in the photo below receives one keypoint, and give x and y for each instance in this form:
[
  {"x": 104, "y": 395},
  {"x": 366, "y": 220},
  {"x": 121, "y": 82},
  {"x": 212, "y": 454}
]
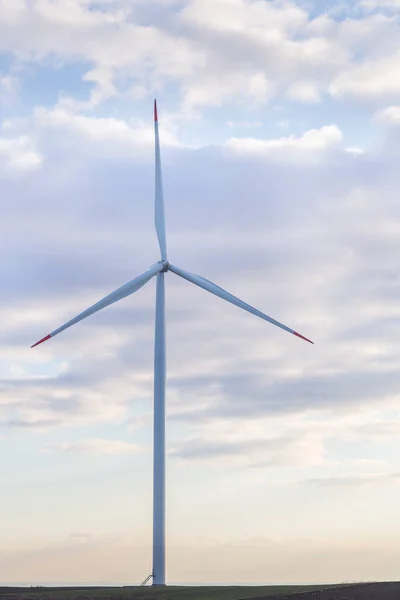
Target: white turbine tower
[{"x": 159, "y": 269}]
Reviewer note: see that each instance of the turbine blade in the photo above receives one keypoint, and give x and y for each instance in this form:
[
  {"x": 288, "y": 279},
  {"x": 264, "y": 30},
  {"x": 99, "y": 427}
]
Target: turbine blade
[
  {"x": 159, "y": 212},
  {"x": 218, "y": 291},
  {"x": 125, "y": 290}
]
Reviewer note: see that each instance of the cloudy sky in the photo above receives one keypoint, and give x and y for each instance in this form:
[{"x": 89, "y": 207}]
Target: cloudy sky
[{"x": 280, "y": 131}]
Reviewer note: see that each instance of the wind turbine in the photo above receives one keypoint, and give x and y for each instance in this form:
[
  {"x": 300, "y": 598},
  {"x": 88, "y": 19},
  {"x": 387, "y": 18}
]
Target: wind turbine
[{"x": 158, "y": 270}]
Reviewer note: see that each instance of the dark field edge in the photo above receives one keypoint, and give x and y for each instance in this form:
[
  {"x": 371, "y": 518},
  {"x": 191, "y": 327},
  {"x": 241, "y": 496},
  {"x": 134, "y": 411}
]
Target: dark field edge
[
  {"x": 166, "y": 590},
  {"x": 371, "y": 590},
  {"x": 338, "y": 591}
]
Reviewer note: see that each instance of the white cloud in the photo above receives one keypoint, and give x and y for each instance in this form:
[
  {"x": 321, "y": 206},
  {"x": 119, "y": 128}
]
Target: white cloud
[
  {"x": 355, "y": 151},
  {"x": 104, "y": 88},
  {"x": 103, "y": 130},
  {"x": 299, "y": 440},
  {"x": 236, "y": 448},
  {"x": 310, "y": 146},
  {"x": 213, "y": 51},
  {"x": 215, "y": 90},
  {"x": 357, "y": 480},
  {"x": 8, "y": 87},
  {"x": 19, "y": 154},
  {"x": 379, "y": 4},
  {"x": 259, "y": 19},
  {"x": 244, "y": 124},
  {"x": 371, "y": 79},
  {"x": 96, "y": 446},
  {"x": 389, "y": 115},
  {"x": 62, "y": 31},
  {"x": 244, "y": 39},
  {"x": 303, "y": 91}
]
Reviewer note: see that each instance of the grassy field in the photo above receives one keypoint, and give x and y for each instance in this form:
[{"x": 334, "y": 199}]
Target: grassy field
[
  {"x": 150, "y": 593},
  {"x": 357, "y": 591}
]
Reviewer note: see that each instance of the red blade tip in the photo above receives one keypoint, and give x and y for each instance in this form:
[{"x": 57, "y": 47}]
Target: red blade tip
[
  {"x": 302, "y": 337},
  {"x": 155, "y": 110},
  {"x": 41, "y": 341}
]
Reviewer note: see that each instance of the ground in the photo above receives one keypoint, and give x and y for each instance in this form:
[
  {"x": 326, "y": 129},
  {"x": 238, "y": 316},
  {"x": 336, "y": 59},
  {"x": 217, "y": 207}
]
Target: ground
[{"x": 361, "y": 591}]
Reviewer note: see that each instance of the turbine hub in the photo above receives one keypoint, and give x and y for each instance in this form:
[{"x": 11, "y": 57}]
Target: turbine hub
[{"x": 165, "y": 264}]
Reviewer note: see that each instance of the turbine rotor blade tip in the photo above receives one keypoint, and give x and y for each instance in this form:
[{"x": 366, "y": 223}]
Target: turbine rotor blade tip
[
  {"x": 155, "y": 110},
  {"x": 302, "y": 337},
  {"x": 41, "y": 341}
]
